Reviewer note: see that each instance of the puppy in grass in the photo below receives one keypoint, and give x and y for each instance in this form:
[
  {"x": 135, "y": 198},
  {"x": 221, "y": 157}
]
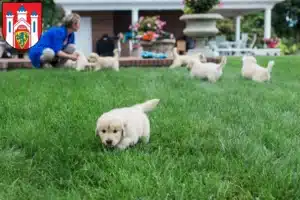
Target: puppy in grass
[
  {"x": 105, "y": 62},
  {"x": 209, "y": 70},
  {"x": 251, "y": 70},
  {"x": 180, "y": 60},
  {"x": 124, "y": 127}
]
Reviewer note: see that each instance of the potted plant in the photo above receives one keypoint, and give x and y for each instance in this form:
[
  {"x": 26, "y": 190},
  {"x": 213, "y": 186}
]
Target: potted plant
[
  {"x": 149, "y": 33},
  {"x": 272, "y": 42},
  {"x": 199, "y": 23}
]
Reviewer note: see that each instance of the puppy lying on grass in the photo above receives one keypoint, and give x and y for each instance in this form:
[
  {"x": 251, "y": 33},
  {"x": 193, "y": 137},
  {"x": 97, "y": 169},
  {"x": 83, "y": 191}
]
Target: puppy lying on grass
[
  {"x": 123, "y": 127},
  {"x": 105, "y": 62},
  {"x": 251, "y": 70},
  {"x": 209, "y": 70},
  {"x": 180, "y": 60}
]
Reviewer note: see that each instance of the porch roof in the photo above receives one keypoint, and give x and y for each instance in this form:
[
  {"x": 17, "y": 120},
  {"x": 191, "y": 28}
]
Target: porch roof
[{"x": 227, "y": 8}]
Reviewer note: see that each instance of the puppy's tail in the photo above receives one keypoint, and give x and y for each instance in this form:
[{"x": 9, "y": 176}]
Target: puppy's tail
[
  {"x": 270, "y": 66},
  {"x": 116, "y": 53},
  {"x": 223, "y": 62},
  {"x": 148, "y": 105},
  {"x": 175, "y": 53},
  {"x": 202, "y": 57}
]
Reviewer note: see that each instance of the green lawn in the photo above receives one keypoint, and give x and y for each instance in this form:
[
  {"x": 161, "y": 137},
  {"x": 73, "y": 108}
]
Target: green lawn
[{"x": 235, "y": 139}]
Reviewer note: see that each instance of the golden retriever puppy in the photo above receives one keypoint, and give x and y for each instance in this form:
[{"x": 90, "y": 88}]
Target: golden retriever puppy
[
  {"x": 180, "y": 60},
  {"x": 105, "y": 62},
  {"x": 209, "y": 70},
  {"x": 123, "y": 127},
  {"x": 251, "y": 70},
  {"x": 80, "y": 64}
]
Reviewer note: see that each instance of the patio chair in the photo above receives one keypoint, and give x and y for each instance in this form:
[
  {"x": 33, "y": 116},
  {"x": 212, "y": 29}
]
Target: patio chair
[
  {"x": 242, "y": 48},
  {"x": 221, "y": 45}
]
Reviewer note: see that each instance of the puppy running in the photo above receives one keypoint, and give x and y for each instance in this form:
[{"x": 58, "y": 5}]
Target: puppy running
[
  {"x": 105, "y": 62},
  {"x": 123, "y": 127},
  {"x": 180, "y": 60},
  {"x": 210, "y": 70},
  {"x": 251, "y": 70}
]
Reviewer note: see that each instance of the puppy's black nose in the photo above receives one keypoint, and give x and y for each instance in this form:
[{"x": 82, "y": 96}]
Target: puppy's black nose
[{"x": 109, "y": 142}]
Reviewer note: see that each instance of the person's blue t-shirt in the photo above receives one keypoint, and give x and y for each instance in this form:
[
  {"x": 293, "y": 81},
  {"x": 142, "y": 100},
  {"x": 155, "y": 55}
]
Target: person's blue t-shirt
[{"x": 54, "y": 39}]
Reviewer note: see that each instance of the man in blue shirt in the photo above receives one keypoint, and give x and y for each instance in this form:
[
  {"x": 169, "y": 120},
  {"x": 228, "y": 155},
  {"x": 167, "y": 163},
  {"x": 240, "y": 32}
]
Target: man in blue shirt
[{"x": 57, "y": 44}]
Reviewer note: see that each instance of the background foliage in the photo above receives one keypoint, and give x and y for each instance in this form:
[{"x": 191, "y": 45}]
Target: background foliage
[
  {"x": 199, "y": 6},
  {"x": 254, "y": 23}
]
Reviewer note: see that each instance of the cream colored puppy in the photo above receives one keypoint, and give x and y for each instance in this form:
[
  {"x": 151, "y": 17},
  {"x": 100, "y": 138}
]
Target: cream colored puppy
[
  {"x": 251, "y": 70},
  {"x": 180, "y": 60},
  {"x": 80, "y": 64},
  {"x": 209, "y": 70},
  {"x": 123, "y": 127},
  {"x": 105, "y": 62}
]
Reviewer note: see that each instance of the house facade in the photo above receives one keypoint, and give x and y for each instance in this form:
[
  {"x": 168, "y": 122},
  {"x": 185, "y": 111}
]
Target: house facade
[{"x": 115, "y": 16}]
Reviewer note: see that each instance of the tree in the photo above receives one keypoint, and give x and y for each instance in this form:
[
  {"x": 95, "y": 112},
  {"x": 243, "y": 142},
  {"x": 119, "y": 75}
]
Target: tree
[
  {"x": 226, "y": 27},
  {"x": 254, "y": 24},
  {"x": 291, "y": 9}
]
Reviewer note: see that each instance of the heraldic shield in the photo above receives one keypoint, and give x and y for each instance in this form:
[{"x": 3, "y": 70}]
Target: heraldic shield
[{"x": 22, "y": 24}]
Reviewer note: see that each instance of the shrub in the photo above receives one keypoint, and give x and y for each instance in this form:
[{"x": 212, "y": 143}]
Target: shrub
[
  {"x": 198, "y": 6},
  {"x": 288, "y": 46}
]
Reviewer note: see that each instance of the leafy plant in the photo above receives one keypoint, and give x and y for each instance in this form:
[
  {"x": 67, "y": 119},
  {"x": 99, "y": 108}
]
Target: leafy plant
[
  {"x": 288, "y": 46},
  {"x": 198, "y": 6},
  {"x": 150, "y": 29},
  {"x": 226, "y": 27},
  {"x": 254, "y": 24}
]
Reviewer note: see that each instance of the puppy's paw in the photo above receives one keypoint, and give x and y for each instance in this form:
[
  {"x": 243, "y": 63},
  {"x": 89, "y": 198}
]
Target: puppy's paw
[
  {"x": 122, "y": 146},
  {"x": 144, "y": 139},
  {"x": 47, "y": 66}
]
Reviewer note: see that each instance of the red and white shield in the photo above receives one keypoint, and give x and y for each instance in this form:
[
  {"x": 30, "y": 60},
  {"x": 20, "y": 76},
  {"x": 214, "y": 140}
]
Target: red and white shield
[{"x": 22, "y": 24}]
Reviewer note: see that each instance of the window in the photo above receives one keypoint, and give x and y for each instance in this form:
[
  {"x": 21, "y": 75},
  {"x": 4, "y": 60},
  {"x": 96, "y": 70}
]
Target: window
[
  {"x": 34, "y": 27},
  {"x": 9, "y": 27}
]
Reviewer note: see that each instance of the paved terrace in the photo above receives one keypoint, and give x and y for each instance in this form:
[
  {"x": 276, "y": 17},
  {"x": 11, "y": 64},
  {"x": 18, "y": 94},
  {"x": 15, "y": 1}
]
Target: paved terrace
[{"x": 17, "y": 63}]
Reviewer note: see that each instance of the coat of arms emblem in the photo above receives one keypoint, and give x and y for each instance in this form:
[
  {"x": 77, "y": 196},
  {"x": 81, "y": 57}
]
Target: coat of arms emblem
[{"x": 22, "y": 24}]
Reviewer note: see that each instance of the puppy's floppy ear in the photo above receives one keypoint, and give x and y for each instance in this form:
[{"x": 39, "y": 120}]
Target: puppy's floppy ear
[
  {"x": 124, "y": 123},
  {"x": 96, "y": 132},
  {"x": 96, "y": 129}
]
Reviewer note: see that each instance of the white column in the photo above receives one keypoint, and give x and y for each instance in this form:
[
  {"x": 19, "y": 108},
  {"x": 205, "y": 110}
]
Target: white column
[
  {"x": 237, "y": 28},
  {"x": 134, "y": 19},
  {"x": 134, "y": 15},
  {"x": 268, "y": 27}
]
